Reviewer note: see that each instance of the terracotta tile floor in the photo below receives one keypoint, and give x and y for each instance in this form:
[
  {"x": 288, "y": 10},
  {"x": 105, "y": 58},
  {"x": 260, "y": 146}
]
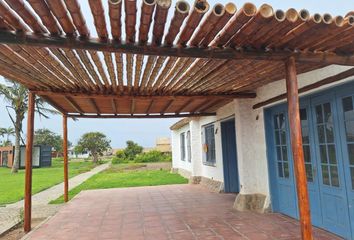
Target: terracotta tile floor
[{"x": 164, "y": 212}]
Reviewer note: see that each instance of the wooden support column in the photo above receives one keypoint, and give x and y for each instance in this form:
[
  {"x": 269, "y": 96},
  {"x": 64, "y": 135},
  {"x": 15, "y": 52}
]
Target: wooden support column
[
  {"x": 297, "y": 150},
  {"x": 28, "y": 164},
  {"x": 65, "y": 155}
]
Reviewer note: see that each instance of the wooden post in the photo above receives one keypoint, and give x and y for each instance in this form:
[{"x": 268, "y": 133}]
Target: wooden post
[
  {"x": 297, "y": 150},
  {"x": 28, "y": 164},
  {"x": 65, "y": 153}
]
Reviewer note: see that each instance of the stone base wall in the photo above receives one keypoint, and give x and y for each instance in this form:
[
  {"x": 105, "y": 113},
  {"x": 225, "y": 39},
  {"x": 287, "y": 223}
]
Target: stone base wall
[
  {"x": 252, "y": 202},
  {"x": 212, "y": 185}
]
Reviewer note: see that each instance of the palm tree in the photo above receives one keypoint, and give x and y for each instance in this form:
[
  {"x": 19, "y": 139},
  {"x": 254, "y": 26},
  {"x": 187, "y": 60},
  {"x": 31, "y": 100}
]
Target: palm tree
[
  {"x": 10, "y": 131},
  {"x": 16, "y": 96}
]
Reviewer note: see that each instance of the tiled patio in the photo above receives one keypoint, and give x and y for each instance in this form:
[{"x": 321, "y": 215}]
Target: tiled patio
[{"x": 164, "y": 212}]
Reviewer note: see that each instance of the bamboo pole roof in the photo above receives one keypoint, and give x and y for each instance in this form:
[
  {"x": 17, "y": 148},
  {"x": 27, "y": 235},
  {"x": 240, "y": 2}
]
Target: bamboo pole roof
[{"x": 169, "y": 60}]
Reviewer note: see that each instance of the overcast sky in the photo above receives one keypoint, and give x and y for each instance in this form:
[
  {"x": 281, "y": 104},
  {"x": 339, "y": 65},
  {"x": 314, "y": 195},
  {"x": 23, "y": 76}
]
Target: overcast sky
[{"x": 146, "y": 131}]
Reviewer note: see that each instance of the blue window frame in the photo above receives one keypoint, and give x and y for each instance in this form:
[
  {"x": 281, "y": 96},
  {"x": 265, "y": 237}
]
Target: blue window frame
[
  {"x": 348, "y": 110},
  {"x": 189, "y": 147},
  {"x": 209, "y": 145},
  {"x": 183, "y": 146}
]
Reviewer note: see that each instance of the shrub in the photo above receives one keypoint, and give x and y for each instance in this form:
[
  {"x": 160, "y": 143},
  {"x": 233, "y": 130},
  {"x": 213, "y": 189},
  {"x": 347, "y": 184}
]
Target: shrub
[
  {"x": 153, "y": 156},
  {"x": 117, "y": 160}
]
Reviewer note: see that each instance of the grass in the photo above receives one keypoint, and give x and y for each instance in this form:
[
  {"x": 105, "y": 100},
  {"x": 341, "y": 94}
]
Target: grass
[
  {"x": 122, "y": 175},
  {"x": 12, "y": 185}
]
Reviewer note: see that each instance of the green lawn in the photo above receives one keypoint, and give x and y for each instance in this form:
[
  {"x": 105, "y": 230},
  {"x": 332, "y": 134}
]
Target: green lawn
[
  {"x": 12, "y": 185},
  {"x": 118, "y": 177}
]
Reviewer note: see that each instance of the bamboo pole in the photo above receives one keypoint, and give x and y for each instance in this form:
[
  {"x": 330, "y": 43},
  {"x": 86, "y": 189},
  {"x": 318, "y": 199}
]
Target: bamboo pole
[
  {"x": 130, "y": 20},
  {"x": 65, "y": 155},
  {"x": 236, "y": 22},
  {"x": 61, "y": 13},
  {"x": 208, "y": 24},
  {"x": 77, "y": 17},
  {"x": 44, "y": 13},
  {"x": 28, "y": 165},
  {"x": 260, "y": 19},
  {"x": 11, "y": 19},
  {"x": 23, "y": 11},
  {"x": 297, "y": 150},
  {"x": 198, "y": 11},
  {"x": 97, "y": 11},
  {"x": 180, "y": 14},
  {"x": 115, "y": 13},
  {"x": 147, "y": 9},
  {"x": 230, "y": 10}
]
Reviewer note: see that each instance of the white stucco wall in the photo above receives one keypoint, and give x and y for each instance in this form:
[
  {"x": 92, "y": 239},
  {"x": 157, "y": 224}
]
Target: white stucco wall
[{"x": 250, "y": 134}]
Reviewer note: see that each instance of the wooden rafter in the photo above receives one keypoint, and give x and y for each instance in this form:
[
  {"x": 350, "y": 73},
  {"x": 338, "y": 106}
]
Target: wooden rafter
[
  {"x": 44, "y": 40},
  {"x": 167, "y": 106},
  {"x": 74, "y": 105},
  {"x": 94, "y": 105},
  {"x": 114, "y": 105},
  {"x": 150, "y": 106}
]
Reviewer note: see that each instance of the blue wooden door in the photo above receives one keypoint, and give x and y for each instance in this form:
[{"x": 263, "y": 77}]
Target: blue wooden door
[
  {"x": 229, "y": 153},
  {"x": 330, "y": 166},
  {"x": 308, "y": 143},
  {"x": 284, "y": 195},
  {"x": 345, "y": 103}
]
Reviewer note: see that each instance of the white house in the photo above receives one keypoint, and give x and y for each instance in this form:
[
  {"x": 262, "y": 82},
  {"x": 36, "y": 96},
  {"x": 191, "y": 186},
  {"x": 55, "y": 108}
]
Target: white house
[{"x": 246, "y": 149}]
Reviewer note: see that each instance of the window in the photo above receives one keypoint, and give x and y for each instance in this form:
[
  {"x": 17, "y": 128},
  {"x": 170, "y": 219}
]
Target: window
[
  {"x": 209, "y": 145},
  {"x": 281, "y": 145},
  {"x": 183, "y": 147},
  {"x": 189, "y": 149}
]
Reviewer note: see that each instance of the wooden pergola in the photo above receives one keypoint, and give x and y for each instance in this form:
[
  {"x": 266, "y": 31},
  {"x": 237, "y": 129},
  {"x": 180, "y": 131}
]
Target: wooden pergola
[{"x": 201, "y": 59}]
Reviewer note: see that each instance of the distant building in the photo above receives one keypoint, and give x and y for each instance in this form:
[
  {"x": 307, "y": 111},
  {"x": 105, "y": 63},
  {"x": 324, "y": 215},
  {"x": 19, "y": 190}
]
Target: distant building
[
  {"x": 163, "y": 144},
  {"x": 73, "y": 154}
]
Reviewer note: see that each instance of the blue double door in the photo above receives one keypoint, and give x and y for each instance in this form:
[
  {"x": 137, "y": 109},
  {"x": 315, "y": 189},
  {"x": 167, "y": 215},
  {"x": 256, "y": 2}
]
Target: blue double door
[{"x": 327, "y": 121}]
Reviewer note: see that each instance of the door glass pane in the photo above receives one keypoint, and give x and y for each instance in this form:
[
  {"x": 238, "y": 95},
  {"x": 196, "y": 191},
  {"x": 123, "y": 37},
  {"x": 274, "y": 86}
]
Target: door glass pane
[
  {"x": 327, "y": 112},
  {"x": 321, "y": 134},
  {"x": 309, "y": 172},
  {"x": 319, "y": 116},
  {"x": 348, "y": 108},
  {"x": 329, "y": 132},
  {"x": 332, "y": 154},
  {"x": 349, "y": 127},
  {"x": 286, "y": 170},
  {"x": 325, "y": 175},
  {"x": 352, "y": 176},
  {"x": 277, "y": 138},
  {"x": 307, "y": 155},
  {"x": 284, "y": 153},
  {"x": 323, "y": 154},
  {"x": 351, "y": 153},
  {"x": 280, "y": 169},
  {"x": 334, "y": 176}
]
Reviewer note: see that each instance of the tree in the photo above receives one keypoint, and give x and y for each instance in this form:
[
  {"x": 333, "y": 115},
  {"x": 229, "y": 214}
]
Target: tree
[
  {"x": 7, "y": 132},
  {"x": 95, "y": 142},
  {"x": 46, "y": 137},
  {"x": 132, "y": 150},
  {"x": 16, "y": 96}
]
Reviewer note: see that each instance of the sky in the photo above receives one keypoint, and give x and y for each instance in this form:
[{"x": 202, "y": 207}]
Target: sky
[{"x": 145, "y": 131}]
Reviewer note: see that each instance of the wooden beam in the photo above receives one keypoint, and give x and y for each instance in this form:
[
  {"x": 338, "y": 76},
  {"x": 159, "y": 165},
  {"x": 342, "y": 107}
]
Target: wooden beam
[
  {"x": 65, "y": 155},
  {"x": 142, "y": 115},
  {"x": 297, "y": 150},
  {"x": 63, "y": 41},
  {"x": 179, "y": 110},
  {"x": 132, "y": 106},
  {"x": 94, "y": 106},
  {"x": 114, "y": 105},
  {"x": 148, "y": 110},
  {"x": 146, "y": 97},
  {"x": 332, "y": 79},
  {"x": 28, "y": 163},
  {"x": 53, "y": 104},
  {"x": 74, "y": 105},
  {"x": 167, "y": 106}
]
